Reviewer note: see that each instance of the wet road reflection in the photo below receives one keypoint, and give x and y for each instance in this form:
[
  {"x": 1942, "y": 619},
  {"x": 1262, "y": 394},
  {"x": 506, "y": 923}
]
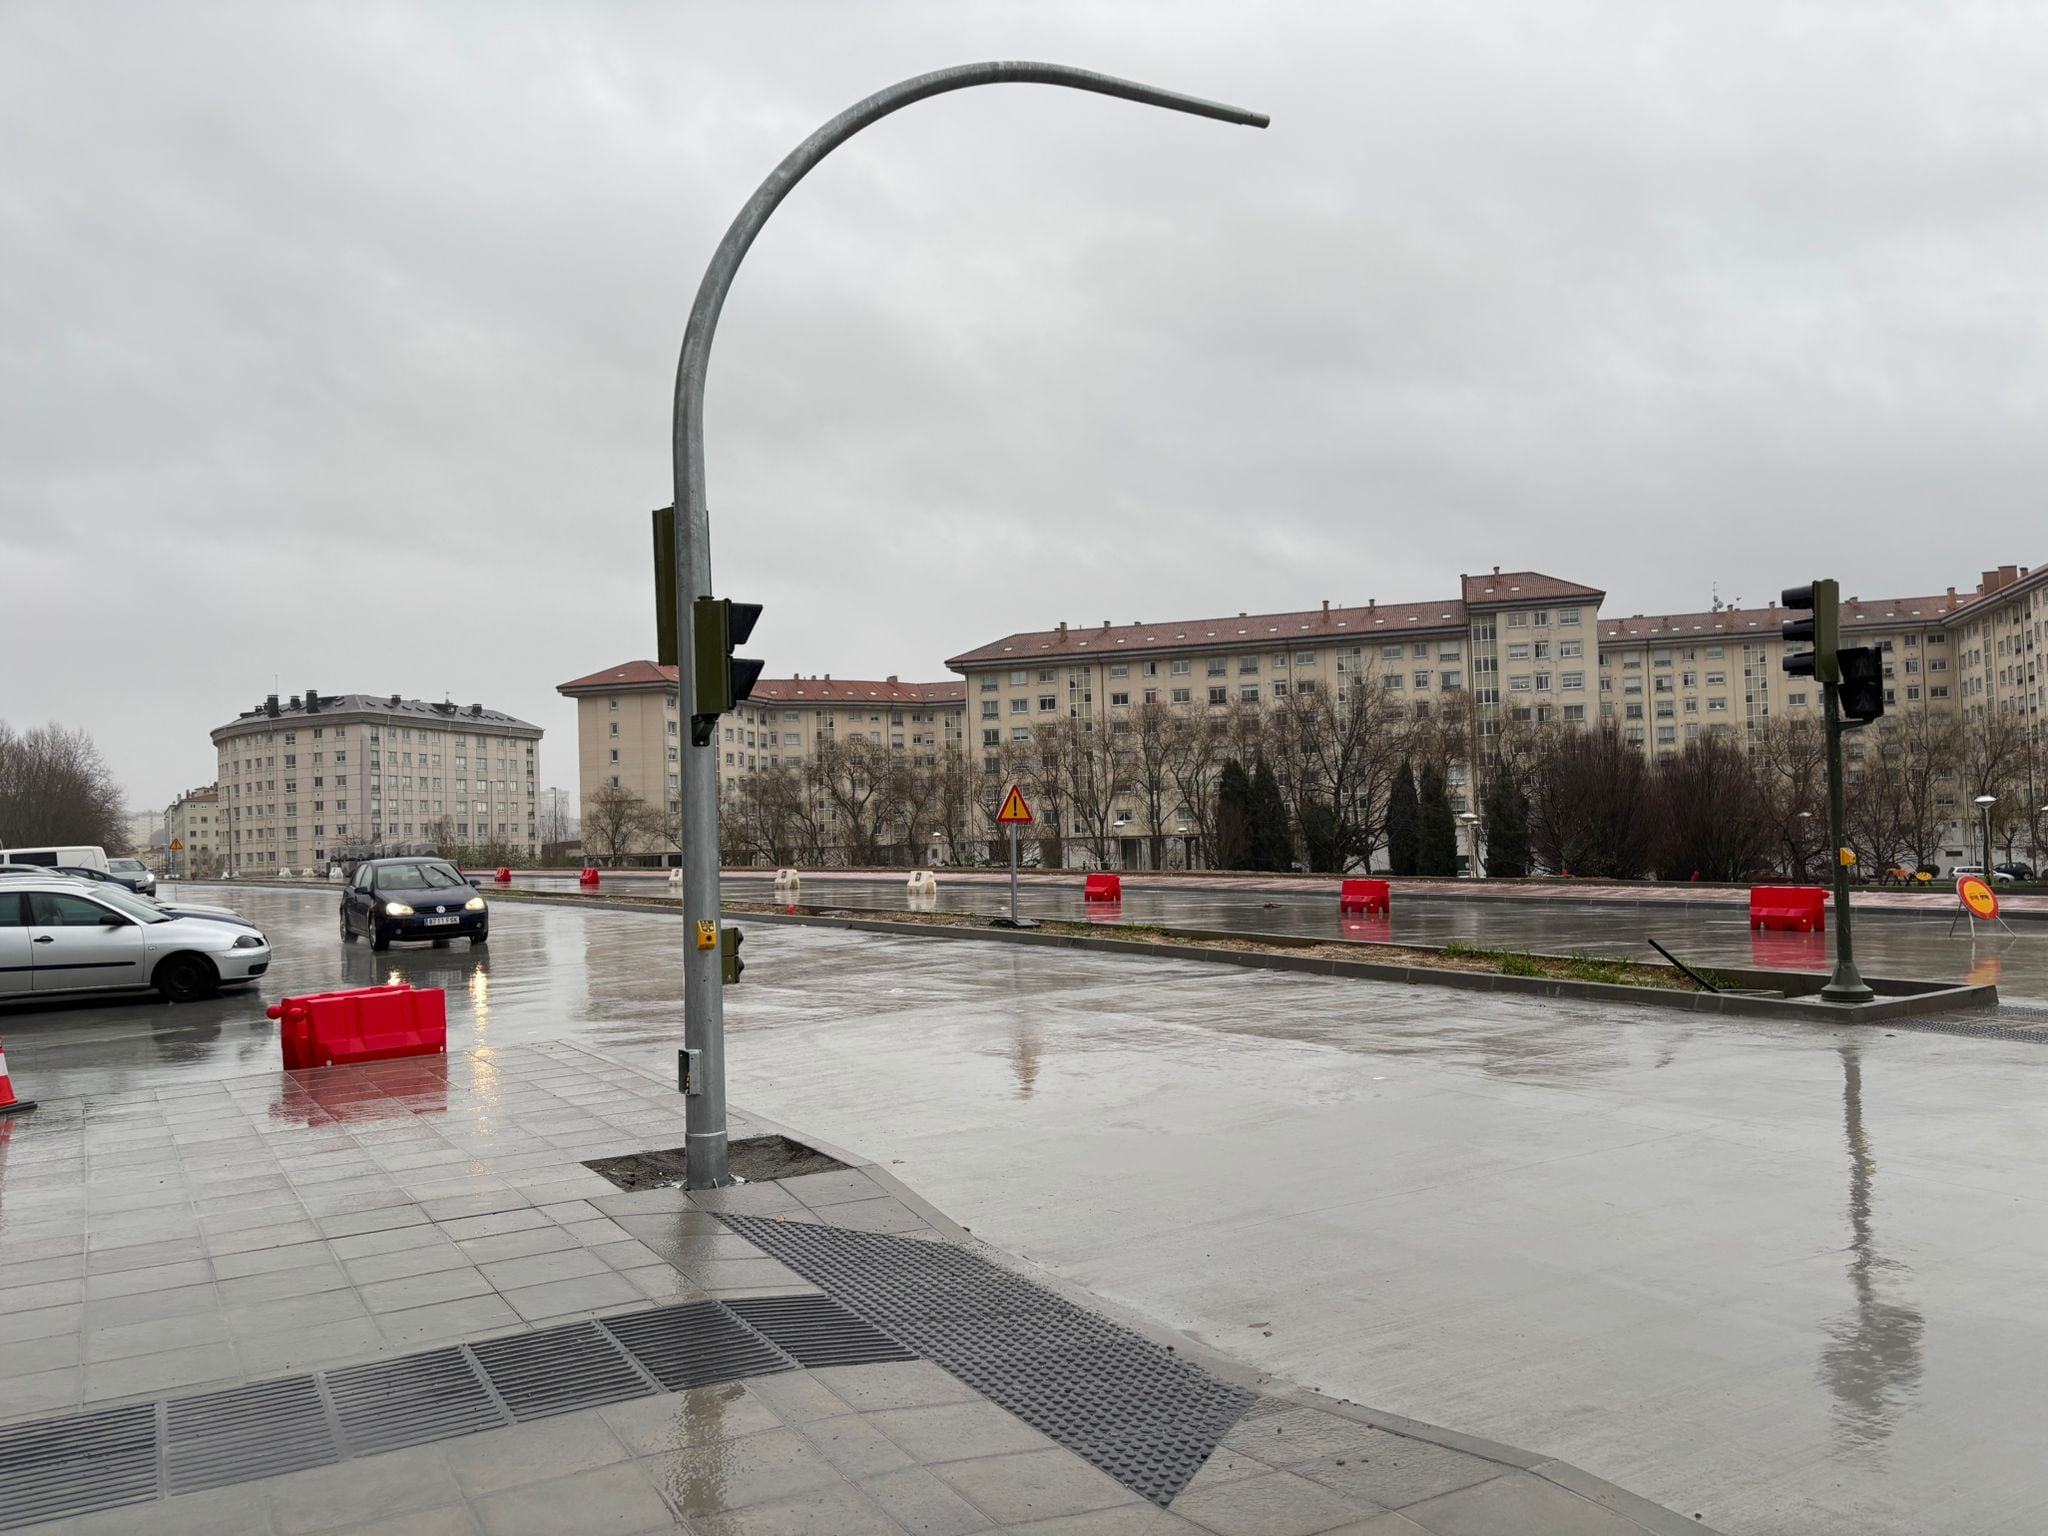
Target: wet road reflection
[{"x": 1872, "y": 1360}]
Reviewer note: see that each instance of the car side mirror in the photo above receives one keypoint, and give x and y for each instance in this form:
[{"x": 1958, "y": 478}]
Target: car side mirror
[
  {"x": 113, "y": 920},
  {"x": 476, "y": 880}
]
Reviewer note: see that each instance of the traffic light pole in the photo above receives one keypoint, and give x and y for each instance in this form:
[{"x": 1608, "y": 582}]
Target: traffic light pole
[
  {"x": 1847, "y": 984},
  {"x": 703, "y": 995}
]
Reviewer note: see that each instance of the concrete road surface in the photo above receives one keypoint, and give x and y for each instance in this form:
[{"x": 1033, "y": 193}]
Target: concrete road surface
[{"x": 1781, "y": 1275}]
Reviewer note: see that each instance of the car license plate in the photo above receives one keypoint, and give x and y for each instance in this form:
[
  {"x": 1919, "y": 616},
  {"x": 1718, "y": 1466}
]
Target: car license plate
[{"x": 442, "y": 922}]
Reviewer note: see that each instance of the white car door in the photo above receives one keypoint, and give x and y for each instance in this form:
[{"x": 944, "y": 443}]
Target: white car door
[
  {"x": 77, "y": 943},
  {"x": 17, "y": 964}
]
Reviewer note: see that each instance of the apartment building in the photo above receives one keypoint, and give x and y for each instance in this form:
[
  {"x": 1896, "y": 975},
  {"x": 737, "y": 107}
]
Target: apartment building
[
  {"x": 1511, "y": 644},
  {"x": 629, "y": 734},
  {"x": 193, "y": 821},
  {"x": 320, "y": 772}
]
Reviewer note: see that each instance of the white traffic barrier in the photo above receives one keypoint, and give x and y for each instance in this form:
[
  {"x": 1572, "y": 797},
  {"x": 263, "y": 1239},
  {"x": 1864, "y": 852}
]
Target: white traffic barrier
[
  {"x": 923, "y": 883},
  {"x": 305, "y": 874},
  {"x": 284, "y": 874},
  {"x": 675, "y": 876},
  {"x": 787, "y": 883},
  {"x": 334, "y": 874}
]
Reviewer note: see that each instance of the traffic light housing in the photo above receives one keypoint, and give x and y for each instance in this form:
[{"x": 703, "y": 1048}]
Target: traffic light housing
[
  {"x": 1821, "y": 602},
  {"x": 723, "y": 679},
  {"x": 729, "y": 963},
  {"x": 1862, "y": 685}
]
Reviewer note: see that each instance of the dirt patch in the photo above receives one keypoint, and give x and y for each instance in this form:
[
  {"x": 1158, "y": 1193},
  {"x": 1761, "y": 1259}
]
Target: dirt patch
[{"x": 754, "y": 1160}]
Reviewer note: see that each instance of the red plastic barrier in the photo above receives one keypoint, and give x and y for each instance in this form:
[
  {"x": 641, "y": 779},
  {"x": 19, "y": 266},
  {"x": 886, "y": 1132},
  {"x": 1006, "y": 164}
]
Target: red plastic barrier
[
  {"x": 588, "y": 877},
  {"x": 1365, "y": 896},
  {"x": 503, "y": 877},
  {"x": 1797, "y": 908},
  {"x": 365, "y": 1024},
  {"x": 1104, "y": 888}
]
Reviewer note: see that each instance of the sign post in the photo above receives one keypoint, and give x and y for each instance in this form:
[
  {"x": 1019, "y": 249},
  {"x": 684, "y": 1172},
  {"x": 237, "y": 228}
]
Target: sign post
[{"x": 1014, "y": 814}]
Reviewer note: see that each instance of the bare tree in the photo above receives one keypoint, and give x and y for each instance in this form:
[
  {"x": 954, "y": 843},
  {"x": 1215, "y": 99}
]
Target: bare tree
[
  {"x": 1591, "y": 812},
  {"x": 959, "y": 805},
  {"x": 56, "y": 788},
  {"x": 1196, "y": 754},
  {"x": 1097, "y": 763},
  {"x": 855, "y": 778},
  {"x": 1790, "y": 760},
  {"x": 1041, "y": 767},
  {"x": 1713, "y": 819},
  {"x": 617, "y": 822},
  {"x": 1150, "y": 746},
  {"x": 915, "y": 787}
]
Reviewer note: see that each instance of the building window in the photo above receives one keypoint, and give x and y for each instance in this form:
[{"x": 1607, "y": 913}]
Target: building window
[
  {"x": 1518, "y": 621},
  {"x": 1218, "y": 697},
  {"x": 1020, "y": 733},
  {"x": 1247, "y": 665},
  {"x": 1796, "y": 699},
  {"x": 1218, "y": 666},
  {"x": 1519, "y": 684},
  {"x": 1120, "y": 700},
  {"x": 1020, "y": 706},
  {"x": 1421, "y": 681},
  {"x": 1574, "y": 713},
  {"x": 1518, "y": 650},
  {"x": 1568, "y": 616},
  {"x": 1182, "y": 667},
  {"x": 1279, "y": 690},
  {"x": 1183, "y": 696},
  {"x": 1249, "y": 693},
  {"x": 989, "y": 709},
  {"x": 1047, "y": 703},
  {"x": 1571, "y": 680}
]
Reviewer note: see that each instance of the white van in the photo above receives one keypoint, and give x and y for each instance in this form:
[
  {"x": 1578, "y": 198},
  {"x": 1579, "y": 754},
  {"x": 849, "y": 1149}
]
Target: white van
[{"x": 52, "y": 858}]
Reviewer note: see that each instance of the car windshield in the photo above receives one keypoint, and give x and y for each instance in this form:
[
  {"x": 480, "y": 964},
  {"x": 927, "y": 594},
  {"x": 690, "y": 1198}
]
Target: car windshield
[
  {"x": 134, "y": 906},
  {"x": 126, "y": 866},
  {"x": 418, "y": 877}
]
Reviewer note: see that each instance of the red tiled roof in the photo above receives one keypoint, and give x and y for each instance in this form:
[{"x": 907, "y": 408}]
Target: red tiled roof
[
  {"x": 627, "y": 674},
  {"x": 837, "y": 690},
  {"x": 780, "y": 690},
  {"x": 1875, "y": 613},
  {"x": 1510, "y": 588},
  {"x": 1256, "y": 629}
]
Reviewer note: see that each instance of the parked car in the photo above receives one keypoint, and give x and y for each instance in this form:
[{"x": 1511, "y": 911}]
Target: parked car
[
  {"x": 413, "y": 898},
  {"x": 134, "y": 874},
  {"x": 2017, "y": 870},
  {"x": 60, "y": 936},
  {"x": 91, "y": 877},
  {"x": 1997, "y": 875}
]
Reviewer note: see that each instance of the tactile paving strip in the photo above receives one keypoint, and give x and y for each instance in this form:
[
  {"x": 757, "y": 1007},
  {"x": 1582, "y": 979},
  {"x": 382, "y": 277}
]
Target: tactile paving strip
[
  {"x": 58, "y": 1467},
  {"x": 817, "y": 1331},
  {"x": 559, "y": 1370},
  {"x": 1126, "y": 1405},
  {"x": 695, "y": 1344},
  {"x": 247, "y": 1432},
  {"x": 388, "y": 1404},
  {"x": 54, "y": 1468}
]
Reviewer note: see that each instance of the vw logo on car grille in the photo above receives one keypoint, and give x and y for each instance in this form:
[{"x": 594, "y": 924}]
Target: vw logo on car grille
[{"x": 440, "y": 909}]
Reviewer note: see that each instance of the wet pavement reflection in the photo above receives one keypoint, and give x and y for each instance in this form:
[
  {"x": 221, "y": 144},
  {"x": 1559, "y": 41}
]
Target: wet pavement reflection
[{"x": 1780, "y": 1274}]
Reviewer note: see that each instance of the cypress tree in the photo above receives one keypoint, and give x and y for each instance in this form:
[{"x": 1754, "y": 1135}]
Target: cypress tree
[
  {"x": 1437, "y": 829},
  {"x": 1272, "y": 842},
  {"x": 1507, "y": 828},
  {"x": 1402, "y": 822},
  {"x": 1235, "y": 828}
]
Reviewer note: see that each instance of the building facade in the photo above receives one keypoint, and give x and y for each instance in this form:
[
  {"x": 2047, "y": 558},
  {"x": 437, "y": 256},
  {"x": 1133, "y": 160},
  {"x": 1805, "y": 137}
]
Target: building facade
[
  {"x": 629, "y": 736},
  {"x": 301, "y": 779},
  {"x": 1514, "y": 645},
  {"x": 192, "y": 822}
]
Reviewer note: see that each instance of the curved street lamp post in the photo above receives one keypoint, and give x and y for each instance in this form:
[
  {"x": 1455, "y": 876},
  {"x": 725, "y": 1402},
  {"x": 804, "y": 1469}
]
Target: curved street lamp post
[{"x": 703, "y": 995}]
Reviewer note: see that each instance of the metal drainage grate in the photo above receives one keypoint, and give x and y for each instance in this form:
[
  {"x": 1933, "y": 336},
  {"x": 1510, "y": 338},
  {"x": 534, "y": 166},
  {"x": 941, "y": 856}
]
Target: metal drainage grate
[
  {"x": 816, "y": 1330},
  {"x": 393, "y": 1403},
  {"x": 559, "y": 1370},
  {"x": 1125, "y": 1405},
  {"x": 61, "y": 1467},
  {"x": 694, "y": 1344},
  {"x": 246, "y": 1432}
]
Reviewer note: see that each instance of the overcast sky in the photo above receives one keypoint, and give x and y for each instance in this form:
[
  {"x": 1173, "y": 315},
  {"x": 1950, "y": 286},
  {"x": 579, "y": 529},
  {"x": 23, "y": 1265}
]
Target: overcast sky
[{"x": 337, "y": 342}]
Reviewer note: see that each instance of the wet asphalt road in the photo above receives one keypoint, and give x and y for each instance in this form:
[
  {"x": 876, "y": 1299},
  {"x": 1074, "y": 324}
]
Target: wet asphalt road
[
  {"x": 1916, "y": 945},
  {"x": 1783, "y": 1275}
]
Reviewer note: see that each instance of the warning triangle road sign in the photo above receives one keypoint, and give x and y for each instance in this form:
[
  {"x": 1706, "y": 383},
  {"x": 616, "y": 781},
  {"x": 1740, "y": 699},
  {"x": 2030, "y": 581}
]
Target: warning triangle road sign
[{"x": 1014, "y": 811}]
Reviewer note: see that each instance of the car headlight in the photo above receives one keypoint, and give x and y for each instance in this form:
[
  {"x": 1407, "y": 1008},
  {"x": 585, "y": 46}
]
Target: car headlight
[
  {"x": 249, "y": 941},
  {"x": 397, "y": 909},
  {"x": 474, "y": 904}
]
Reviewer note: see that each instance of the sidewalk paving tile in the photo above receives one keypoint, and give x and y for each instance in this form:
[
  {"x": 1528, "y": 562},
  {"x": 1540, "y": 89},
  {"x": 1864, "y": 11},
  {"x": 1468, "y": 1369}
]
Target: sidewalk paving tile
[
  {"x": 923, "y": 1504},
  {"x": 398, "y": 1483},
  {"x": 1273, "y": 1504},
  {"x": 731, "y": 1474},
  {"x": 500, "y": 1459},
  {"x": 1521, "y": 1502},
  {"x": 700, "y": 1416},
  {"x": 957, "y": 1431},
  {"x": 838, "y": 1510},
  {"x": 605, "y": 1500},
  {"x": 1034, "y": 1485}
]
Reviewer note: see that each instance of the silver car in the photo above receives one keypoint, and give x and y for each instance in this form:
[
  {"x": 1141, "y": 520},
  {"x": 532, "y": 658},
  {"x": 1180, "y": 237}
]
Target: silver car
[
  {"x": 134, "y": 874},
  {"x": 60, "y": 936}
]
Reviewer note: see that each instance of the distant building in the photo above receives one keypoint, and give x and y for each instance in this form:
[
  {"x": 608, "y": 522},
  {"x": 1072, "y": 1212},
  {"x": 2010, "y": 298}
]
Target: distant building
[
  {"x": 324, "y": 771},
  {"x": 629, "y": 735},
  {"x": 193, "y": 822}
]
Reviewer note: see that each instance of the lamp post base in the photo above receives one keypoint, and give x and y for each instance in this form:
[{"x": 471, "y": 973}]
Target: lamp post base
[{"x": 1847, "y": 986}]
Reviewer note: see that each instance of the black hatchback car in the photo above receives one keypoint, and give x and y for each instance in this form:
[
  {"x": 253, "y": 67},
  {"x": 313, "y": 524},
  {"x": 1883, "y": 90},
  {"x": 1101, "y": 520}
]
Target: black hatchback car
[{"x": 415, "y": 898}]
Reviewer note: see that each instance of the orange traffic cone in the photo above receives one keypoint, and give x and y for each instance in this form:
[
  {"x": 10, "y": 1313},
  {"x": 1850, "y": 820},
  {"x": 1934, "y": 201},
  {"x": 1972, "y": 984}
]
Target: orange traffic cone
[{"x": 9, "y": 1104}]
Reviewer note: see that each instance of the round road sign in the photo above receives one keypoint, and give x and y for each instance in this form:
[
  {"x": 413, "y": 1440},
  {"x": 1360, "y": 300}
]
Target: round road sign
[{"x": 1978, "y": 897}]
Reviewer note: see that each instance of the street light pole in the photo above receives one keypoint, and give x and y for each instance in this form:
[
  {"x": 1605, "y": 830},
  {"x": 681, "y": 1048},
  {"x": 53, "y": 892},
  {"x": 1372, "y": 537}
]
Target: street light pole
[
  {"x": 1984, "y": 804},
  {"x": 1847, "y": 984},
  {"x": 703, "y": 996}
]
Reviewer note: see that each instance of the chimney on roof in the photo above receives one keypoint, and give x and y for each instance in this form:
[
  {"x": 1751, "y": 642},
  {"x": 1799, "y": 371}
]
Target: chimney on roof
[
  {"x": 394, "y": 701},
  {"x": 892, "y": 677},
  {"x": 312, "y": 702},
  {"x": 1244, "y": 615},
  {"x": 1371, "y": 603},
  {"x": 828, "y": 677},
  {"x": 270, "y": 704},
  {"x": 1105, "y": 623},
  {"x": 1326, "y": 607},
  {"x": 1063, "y": 629},
  {"x": 1496, "y": 570},
  {"x": 294, "y": 703},
  {"x": 476, "y": 711}
]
